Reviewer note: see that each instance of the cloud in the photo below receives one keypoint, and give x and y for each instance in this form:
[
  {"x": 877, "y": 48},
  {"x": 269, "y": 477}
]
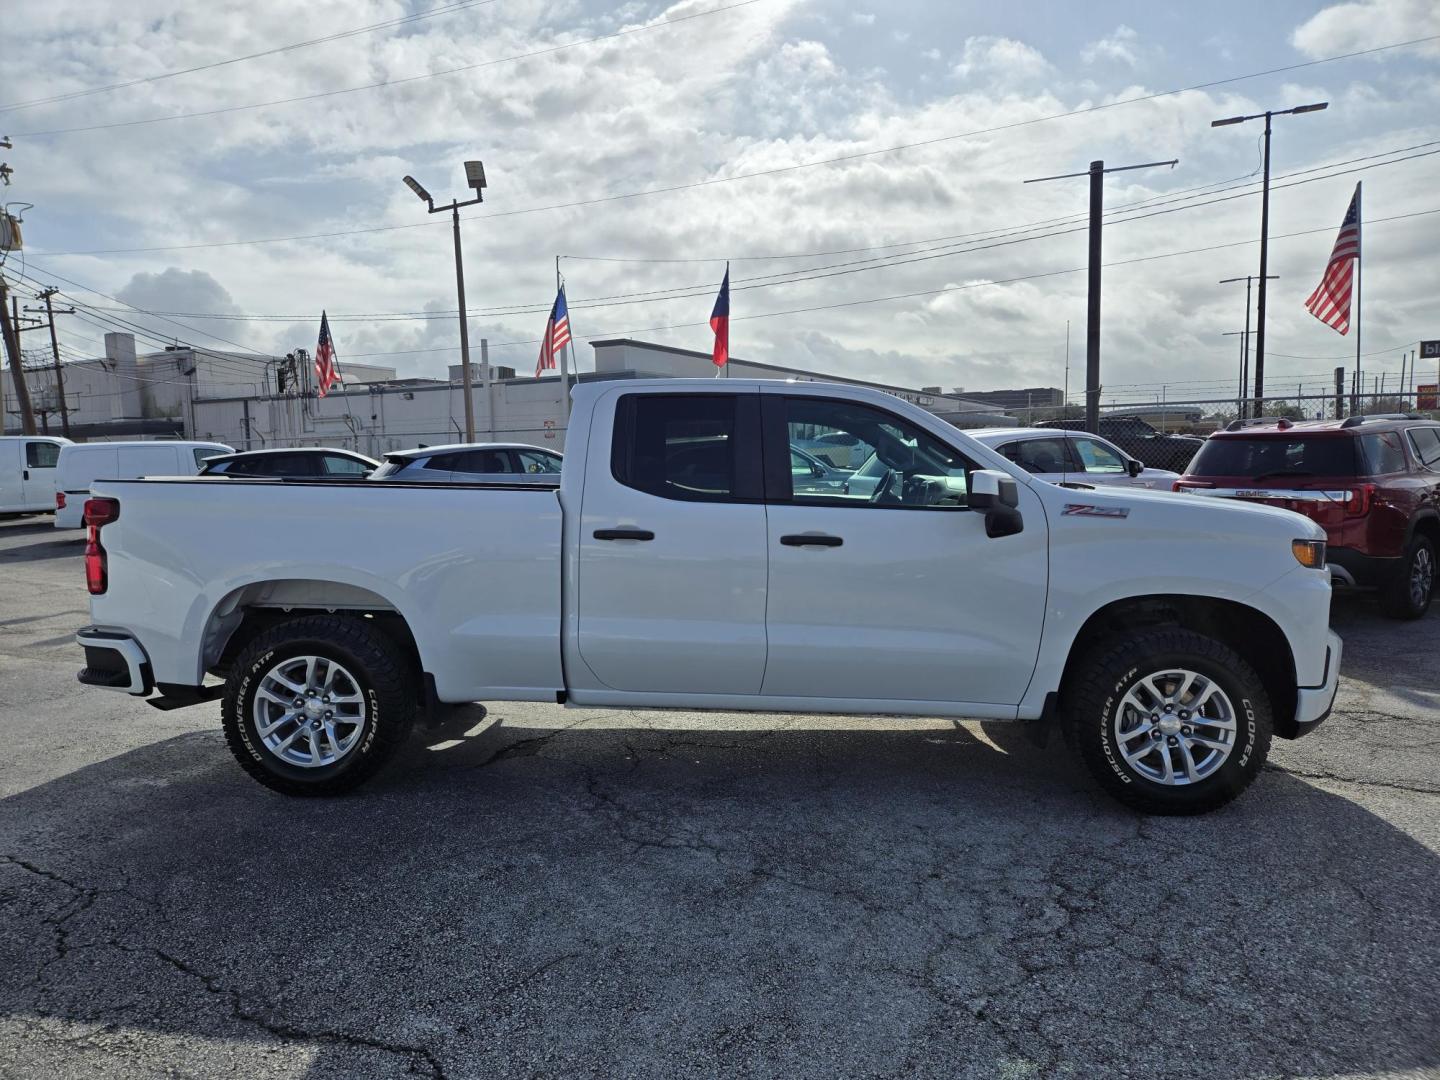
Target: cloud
[
  {"x": 771, "y": 86},
  {"x": 862, "y": 18},
  {"x": 1002, "y": 59},
  {"x": 1121, "y": 46},
  {"x": 178, "y": 290},
  {"x": 1367, "y": 24}
]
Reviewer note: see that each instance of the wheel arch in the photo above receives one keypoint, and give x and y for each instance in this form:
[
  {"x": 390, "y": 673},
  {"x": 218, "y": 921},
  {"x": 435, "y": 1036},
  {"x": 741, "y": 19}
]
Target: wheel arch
[
  {"x": 250, "y": 609},
  {"x": 1426, "y": 523},
  {"x": 1250, "y": 632}
]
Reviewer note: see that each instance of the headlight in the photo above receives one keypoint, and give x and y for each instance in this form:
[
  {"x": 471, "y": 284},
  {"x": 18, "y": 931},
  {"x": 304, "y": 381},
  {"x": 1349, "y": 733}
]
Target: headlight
[{"x": 1309, "y": 553}]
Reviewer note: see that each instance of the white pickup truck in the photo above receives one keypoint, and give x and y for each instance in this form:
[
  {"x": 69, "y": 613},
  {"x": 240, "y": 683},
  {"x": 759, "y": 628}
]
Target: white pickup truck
[{"x": 679, "y": 564}]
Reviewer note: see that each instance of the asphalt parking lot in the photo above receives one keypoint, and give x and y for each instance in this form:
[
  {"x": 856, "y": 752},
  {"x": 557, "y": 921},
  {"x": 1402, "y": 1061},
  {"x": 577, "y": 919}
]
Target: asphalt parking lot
[{"x": 543, "y": 892}]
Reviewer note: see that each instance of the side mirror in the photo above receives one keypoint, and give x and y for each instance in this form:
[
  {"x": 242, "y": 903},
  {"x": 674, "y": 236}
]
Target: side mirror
[
  {"x": 998, "y": 495},
  {"x": 1133, "y": 467}
]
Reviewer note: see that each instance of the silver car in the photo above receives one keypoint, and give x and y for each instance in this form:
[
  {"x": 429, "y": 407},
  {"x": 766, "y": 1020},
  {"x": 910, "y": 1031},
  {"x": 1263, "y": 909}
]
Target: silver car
[
  {"x": 459, "y": 463},
  {"x": 1059, "y": 456}
]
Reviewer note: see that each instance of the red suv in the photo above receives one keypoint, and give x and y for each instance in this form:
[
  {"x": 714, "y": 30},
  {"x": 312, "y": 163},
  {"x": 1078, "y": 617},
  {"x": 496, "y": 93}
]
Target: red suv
[{"x": 1372, "y": 482}]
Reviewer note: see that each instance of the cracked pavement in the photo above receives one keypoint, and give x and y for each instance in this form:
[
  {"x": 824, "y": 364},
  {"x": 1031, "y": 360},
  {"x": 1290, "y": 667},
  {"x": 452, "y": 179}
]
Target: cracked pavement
[{"x": 550, "y": 892}]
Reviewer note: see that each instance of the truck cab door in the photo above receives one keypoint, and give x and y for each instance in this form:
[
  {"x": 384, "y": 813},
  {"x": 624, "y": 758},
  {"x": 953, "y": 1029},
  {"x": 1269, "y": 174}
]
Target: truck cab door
[
  {"x": 894, "y": 593},
  {"x": 671, "y": 576}
]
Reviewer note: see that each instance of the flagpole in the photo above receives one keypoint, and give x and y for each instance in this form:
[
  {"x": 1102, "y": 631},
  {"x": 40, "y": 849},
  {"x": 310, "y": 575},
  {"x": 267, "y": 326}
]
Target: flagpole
[
  {"x": 564, "y": 366},
  {"x": 1359, "y": 259}
]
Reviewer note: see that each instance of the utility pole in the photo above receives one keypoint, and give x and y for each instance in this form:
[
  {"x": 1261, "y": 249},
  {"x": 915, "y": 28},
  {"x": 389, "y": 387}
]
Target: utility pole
[
  {"x": 11, "y": 332},
  {"x": 50, "y": 314},
  {"x": 1265, "y": 234},
  {"x": 1245, "y": 346},
  {"x": 1096, "y": 172},
  {"x": 475, "y": 177}
]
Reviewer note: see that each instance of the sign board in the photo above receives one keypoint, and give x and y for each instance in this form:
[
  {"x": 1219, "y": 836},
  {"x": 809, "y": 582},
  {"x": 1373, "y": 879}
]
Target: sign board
[
  {"x": 550, "y": 429},
  {"x": 1430, "y": 350},
  {"x": 1426, "y": 395}
]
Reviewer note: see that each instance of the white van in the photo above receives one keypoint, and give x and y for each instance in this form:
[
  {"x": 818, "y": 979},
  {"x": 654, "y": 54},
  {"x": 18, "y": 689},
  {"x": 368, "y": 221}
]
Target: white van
[
  {"x": 81, "y": 464},
  {"x": 27, "y": 472}
]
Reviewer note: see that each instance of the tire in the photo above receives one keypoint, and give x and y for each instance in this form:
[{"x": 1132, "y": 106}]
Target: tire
[
  {"x": 1103, "y": 724},
  {"x": 370, "y": 694},
  {"x": 1408, "y": 594}
]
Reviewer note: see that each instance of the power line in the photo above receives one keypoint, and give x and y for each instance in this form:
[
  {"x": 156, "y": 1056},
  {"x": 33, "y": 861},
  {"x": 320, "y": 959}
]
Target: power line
[
  {"x": 389, "y": 82},
  {"x": 996, "y": 238},
  {"x": 403, "y": 20},
  {"x": 736, "y": 176}
]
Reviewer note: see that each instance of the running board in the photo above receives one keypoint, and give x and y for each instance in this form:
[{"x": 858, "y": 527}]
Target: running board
[{"x": 173, "y": 696}]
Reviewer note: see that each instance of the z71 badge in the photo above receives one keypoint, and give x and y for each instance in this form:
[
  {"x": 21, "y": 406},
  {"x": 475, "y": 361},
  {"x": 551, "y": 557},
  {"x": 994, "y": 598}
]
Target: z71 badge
[{"x": 1091, "y": 510}]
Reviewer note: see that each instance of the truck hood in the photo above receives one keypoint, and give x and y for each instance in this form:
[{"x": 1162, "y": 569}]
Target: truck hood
[{"x": 1168, "y": 509}]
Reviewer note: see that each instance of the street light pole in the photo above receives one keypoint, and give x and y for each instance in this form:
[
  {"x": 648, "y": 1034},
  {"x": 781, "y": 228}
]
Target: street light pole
[
  {"x": 1096, "y": 173},
  {"x": 475, "y": 175},
  {"x": 1268, "y": 114}
]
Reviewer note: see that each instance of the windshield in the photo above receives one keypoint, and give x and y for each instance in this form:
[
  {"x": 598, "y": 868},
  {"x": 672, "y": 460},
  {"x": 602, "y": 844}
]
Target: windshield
[{"x": 1266, "y": 457}]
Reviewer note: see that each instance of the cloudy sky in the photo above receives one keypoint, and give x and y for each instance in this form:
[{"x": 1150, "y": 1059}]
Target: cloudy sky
[{"x": 969, "y": 278}]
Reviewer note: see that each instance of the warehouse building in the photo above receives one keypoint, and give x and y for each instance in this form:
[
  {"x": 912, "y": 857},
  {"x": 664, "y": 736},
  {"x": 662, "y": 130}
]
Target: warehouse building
[{"x": 253, "y": 402}]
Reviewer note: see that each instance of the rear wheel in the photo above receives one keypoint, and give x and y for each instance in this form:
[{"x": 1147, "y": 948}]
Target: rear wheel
[
  {"x": 1168, "y": 721},
  {"x": 1409, "y": 592},
  {"x": 317, "y": 705}
]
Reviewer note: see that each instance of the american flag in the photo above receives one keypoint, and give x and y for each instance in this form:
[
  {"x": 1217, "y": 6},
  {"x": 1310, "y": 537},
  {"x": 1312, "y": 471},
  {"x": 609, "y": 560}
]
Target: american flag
[
  {"x": 326, "y": 371},
  {"x": 1330, "y": 302},
  {"x": 557, "y": 334}
]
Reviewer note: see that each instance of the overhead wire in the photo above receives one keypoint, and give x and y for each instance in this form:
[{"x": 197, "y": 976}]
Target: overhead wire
[{"x": 403, "y": 20}]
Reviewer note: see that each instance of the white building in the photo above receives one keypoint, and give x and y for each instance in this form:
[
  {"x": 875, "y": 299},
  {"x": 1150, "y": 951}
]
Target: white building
[
  {"x": 124, "y": 395},
  {"x": 252, "y": 402}
]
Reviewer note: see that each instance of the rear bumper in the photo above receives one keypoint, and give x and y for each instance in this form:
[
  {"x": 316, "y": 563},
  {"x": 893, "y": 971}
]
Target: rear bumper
[
  {"x": 1355, "y": 569},
  {"x": 114, "y": 661},
  {"x": 1313, "y": 703}
]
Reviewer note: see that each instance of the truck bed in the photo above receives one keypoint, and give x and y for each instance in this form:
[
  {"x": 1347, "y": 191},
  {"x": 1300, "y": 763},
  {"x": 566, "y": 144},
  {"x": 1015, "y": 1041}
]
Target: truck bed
[{"x": 479, "y": 561}]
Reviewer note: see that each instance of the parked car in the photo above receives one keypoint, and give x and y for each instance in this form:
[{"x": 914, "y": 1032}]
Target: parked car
[
  {"x": 1138, "y": 439},
  {"x": 81, "y": 464},
  {"x": 292, "y": 463},
  {"x": 1074, "y": 457},
  {"x": 813, "y": 474},
  {"x": 1170, "y": 636},
  {"x": 1372, "y": 483},
  {"x": 457, "y": 463},
  {"x": 27, "y": 473}
]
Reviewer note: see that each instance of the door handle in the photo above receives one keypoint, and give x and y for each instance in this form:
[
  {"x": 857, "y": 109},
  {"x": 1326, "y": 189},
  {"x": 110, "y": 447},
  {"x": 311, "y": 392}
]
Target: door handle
[
  {"x": 811, "y": 540},
  {"x": 25, "y": 475},
  {"x": 624, "y": 534}
]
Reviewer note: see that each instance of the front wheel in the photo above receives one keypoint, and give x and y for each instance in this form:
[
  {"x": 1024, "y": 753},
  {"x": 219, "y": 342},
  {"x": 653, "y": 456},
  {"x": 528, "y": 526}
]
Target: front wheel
[
  {"x": 1168, "y": 721},
  {"x": 316, "y": 705}
]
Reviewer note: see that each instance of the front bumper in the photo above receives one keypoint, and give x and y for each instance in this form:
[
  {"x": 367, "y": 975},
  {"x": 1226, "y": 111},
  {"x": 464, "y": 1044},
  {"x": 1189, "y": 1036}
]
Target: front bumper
[
  {"x": 1313, "y": 703},
  {"x": 114, "y": 661}
]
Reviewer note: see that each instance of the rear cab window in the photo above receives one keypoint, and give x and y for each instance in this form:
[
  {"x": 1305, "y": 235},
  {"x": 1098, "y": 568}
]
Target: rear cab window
[{"x": 1263, "y": 457}]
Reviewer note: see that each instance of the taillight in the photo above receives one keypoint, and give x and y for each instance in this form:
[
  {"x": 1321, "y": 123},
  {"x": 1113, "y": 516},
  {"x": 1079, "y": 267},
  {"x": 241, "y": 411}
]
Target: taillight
[
  {"x": 59, "y": 500},
  {"x": 1360, "y": 500},
  {"x": 98, "y": 513}
]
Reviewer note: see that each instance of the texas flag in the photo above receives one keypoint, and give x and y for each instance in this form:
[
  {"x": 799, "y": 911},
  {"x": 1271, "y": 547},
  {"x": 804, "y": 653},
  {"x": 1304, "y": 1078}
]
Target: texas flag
[{"x": 720, "y": 322}]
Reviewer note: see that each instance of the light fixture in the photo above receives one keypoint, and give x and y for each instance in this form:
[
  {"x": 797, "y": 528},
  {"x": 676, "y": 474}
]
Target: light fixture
[
  {"x": 475, "y": 174},
  {"x": 420, "y": 192}
]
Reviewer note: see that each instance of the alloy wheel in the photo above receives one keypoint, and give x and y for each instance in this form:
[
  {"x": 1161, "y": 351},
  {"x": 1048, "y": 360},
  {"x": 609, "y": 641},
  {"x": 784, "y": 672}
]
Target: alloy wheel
[{"x": 1175, "y": 727}]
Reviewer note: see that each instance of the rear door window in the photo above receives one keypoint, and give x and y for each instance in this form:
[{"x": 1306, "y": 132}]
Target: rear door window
[
  {"x": 680, "y": 446},
  {"x": 335, "y": 465},
  {"x": 477, "y": 462},
  {"x": 1262, "y": 458},
  {"x": 1425, "y": 444},
  {"x": 1039, "y": 455},
  {"x": 1383, "y": 453}
]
